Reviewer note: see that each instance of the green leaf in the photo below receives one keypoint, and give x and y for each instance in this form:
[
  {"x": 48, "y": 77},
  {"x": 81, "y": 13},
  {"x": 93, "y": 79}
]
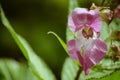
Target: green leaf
[
  {"x": 72, "y": 5},
  {"x": 69, "y": 34},
  {"x": 105, "y": 32},
  {"x": 37, "y": 65},
  {"x": 115, "y": 31},
  {"x": 113, "y": 76},
  {"x": 69, "y": 70},
  {"x": 115, "y": 25},
  {"x": 12, "y": 70},
  {"x": 60, "y": 40}
]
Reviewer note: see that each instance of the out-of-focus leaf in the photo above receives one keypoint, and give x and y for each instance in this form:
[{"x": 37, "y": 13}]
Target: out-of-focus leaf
[
  {"x": 37, "y": 65},
  {"x": 105, "y": 32},
  {"x": 12, "y": 70},
  {"x": 95, "y": 74},
  {"x": 72, "y": 5},
  {"x": 108, "y": 63},
  {"x": 69, "y": 70},
  {"x": 60, "y": 40},
  {"x": 115, "y": 25},
  {"x": 115, "y": 32},
  {"x": 114, "y": 76},
  {"x": 69, "y": 34}
]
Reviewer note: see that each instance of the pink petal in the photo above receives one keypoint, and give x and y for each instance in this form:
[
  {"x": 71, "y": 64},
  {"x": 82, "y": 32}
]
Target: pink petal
[
  {"x": 81, "y": 17},
  {"x": 76, "y": 18},
  {"x": 96, "y": 20},
  {"x": 73, "y": 52},
  {"x": 94, "y": 55}
]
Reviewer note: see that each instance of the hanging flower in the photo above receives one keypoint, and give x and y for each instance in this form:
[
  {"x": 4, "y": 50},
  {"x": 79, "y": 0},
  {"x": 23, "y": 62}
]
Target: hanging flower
[{"x": 86, "y": 48}]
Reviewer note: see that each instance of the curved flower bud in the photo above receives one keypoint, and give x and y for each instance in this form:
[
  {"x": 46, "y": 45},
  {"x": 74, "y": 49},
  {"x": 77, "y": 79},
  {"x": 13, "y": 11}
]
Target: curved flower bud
[{"x": 86, "y": 48}]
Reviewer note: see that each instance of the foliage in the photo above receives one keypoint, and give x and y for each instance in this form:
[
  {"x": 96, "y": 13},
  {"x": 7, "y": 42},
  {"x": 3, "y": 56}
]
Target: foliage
[{"x": 36, "y": 64}]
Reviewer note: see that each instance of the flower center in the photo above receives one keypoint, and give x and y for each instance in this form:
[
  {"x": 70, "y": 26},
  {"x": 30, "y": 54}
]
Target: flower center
[{"x": 87, "y": 32}]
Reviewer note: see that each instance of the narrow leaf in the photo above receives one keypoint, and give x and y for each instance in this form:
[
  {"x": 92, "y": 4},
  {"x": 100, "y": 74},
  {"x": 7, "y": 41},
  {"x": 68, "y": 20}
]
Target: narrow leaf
[
  {"x": 60, "y": 40},
  {"x": 37, "y": 65}
]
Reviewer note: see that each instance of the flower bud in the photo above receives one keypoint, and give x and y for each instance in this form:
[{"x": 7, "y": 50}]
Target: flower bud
[{"x": 107, "y": 15}]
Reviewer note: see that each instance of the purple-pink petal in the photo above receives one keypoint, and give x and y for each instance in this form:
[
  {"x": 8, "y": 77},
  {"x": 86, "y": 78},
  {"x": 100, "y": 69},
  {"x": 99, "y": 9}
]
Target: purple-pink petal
[
  {"x": 82, "y": 17},
  {"x": 74, "y": 53},
  {"x": 96, "y": 23},
  {"x": 91, "y": 56},
  {"x": 94, "y": 55}
]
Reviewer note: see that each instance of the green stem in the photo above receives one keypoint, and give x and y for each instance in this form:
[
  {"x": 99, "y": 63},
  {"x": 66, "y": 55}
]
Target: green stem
[{"x": 78, "y": 73}]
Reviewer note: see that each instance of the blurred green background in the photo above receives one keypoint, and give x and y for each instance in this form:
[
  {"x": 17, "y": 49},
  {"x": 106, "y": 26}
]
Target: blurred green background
[{"x": 33, "y": 19}]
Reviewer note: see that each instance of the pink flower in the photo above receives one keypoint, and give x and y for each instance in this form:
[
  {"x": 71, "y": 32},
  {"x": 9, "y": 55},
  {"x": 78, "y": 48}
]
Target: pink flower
[{"x": 86, "y": 48}]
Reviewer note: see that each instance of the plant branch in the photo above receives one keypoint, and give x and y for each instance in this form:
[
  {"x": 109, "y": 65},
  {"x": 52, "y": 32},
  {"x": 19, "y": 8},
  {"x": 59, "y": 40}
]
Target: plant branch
[{"x": 78, "y": 73}]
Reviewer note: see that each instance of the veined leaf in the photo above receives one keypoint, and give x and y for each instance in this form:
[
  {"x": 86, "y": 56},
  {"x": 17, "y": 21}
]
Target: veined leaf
[
  {"x": 114, "y": 76},
  {"x": 37, "y": 65}
]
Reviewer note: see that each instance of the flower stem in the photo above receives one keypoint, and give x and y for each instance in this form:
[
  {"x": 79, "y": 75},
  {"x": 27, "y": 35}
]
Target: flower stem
[{"x": 78, "y": 73}]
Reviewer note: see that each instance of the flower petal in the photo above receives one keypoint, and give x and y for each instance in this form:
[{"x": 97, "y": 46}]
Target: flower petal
[
  {"x": 77, "y": 18},
  {"x": 94, "y": 55},
  {"x": 82, "y": 17},
  {"x": 74, "y": 53},
  {"x": 96, "y": 20}
]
